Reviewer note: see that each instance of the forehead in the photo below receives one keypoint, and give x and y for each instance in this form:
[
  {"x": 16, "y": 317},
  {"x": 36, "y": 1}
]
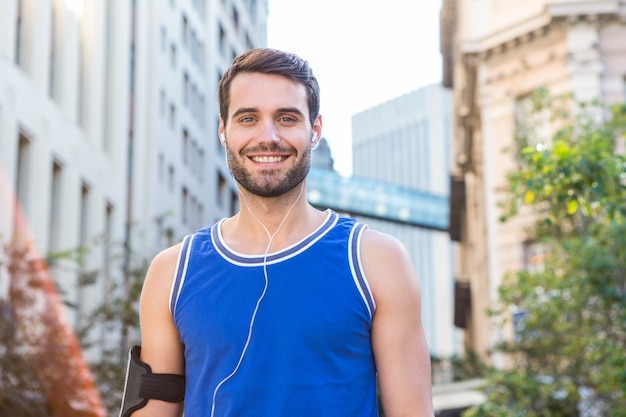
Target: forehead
[{"x": 266, "y": 92}]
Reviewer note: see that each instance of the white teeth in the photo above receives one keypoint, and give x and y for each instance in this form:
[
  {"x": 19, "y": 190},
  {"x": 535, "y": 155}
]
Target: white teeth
[{"x": 267, "y": 159}]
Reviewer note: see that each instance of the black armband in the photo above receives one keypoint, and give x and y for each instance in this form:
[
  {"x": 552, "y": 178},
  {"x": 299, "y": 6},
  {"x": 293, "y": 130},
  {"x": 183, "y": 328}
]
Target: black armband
[{"x": 142, "y": 385}]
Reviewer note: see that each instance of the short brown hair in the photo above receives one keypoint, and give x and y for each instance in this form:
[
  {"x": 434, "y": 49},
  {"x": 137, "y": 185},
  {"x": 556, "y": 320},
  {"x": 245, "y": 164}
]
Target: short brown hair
[{"x": 271, "y": 61}]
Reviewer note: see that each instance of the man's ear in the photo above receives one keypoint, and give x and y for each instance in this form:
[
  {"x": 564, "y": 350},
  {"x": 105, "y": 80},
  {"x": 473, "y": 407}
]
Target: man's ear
[
  {"x": 317, "y": 131},
  {"x": 220, "y": 131}
]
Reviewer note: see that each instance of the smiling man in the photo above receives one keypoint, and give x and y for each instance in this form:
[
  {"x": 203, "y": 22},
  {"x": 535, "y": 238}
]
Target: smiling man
[
  {"x": 278, "y": 128},
  {"x": 282, "y": 309}
]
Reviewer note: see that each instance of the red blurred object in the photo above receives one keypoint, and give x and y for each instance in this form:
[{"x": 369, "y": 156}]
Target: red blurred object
[{"x": 49, "y": 342}]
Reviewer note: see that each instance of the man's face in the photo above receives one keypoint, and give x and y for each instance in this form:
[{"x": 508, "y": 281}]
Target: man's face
[{"x": 268, "y": 133}]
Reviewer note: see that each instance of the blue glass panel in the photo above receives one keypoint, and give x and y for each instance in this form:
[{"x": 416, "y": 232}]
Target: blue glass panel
[{"x": 377, "y": 199}]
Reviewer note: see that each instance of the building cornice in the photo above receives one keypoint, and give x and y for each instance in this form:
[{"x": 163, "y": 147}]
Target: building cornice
[
  {"x": 507, "y": 35},
  {"x": 569, "y": 8},
  {"x": 539, "y": 24}
]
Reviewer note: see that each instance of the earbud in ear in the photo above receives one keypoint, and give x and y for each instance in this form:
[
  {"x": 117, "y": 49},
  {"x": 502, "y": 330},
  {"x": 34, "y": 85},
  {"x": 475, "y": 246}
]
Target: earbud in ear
[
  {"x": 222, "y": 138},
  {"x": 314, "y": 137}
]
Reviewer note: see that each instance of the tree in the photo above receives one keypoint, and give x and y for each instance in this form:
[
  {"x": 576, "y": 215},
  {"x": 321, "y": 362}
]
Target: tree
[
  {"x": 42, "y": 369},
  {"x": 43, "y": 372},
  {"x": 21, "y": 393},
  {"x": 567, "y": 353},
  {"x": 30, "y": 335},
  {"x": 117, "y": 315},
  {"x": 110, "y": 326}
]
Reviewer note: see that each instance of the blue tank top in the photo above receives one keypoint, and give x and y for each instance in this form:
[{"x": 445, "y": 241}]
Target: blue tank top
[{"x": 308, "y": 351}]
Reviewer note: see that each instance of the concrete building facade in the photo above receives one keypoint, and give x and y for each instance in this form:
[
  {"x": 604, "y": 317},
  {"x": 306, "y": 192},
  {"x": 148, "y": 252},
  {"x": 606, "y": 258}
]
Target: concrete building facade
[
  {"x": 108, "y": 126},
  {"x": 405, "y": 142},
  {"x": 495, "y": 54}
]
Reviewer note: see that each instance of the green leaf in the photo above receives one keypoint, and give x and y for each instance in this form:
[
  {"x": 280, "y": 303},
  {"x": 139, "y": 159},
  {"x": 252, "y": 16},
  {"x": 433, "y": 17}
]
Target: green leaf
[
  {"x": 573, "y": 296},
  {"x": 572, "y": 206},
  {"x": 529, "y": 197}
]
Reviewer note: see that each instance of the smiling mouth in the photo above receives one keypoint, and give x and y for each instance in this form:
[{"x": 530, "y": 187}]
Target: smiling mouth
[{"x": 268, "y": 159}]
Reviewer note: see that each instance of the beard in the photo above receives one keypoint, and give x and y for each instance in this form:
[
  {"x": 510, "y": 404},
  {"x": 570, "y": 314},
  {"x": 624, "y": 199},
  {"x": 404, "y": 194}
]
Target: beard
[{"x": 269, "y": 182}]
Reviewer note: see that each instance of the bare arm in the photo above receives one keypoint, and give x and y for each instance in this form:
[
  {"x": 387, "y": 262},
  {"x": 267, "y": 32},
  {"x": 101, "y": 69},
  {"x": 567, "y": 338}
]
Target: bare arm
[
  {"x": 160, "y": 343},
  {"x": 400, "y": 351}
]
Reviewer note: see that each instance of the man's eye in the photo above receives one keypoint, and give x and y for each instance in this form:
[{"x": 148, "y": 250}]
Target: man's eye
[
  {"x": 247, "y": 119},
  {"x": 287, "y": 119}
]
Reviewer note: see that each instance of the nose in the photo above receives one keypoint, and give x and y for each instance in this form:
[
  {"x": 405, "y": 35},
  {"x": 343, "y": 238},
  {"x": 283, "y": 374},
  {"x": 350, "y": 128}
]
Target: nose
[{"x": 268, "y": 133}]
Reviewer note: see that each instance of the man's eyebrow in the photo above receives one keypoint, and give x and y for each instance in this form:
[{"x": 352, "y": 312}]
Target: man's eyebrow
[
  {"x": 244, "y": 110},
  {"x": 289, "y": 110}
]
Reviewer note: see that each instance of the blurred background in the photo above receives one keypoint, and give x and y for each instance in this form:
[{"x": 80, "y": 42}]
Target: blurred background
[{"x": 486, "y": 135}]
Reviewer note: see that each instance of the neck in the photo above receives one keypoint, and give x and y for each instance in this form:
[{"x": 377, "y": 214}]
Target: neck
[
  {"x": 265, "y": 224},
  {"x": 271, "y": 214}
]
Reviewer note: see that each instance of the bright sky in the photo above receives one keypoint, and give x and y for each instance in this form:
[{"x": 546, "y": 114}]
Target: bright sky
[{"x": 363, "y": 53}]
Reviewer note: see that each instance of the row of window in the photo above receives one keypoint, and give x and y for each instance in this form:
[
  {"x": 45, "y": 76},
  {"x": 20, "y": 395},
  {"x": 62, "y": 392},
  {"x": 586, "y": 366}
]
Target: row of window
[
  {"x": 198, "y": 5},
  {"x": 192, "y": 210},
  {"x": 193, "y": 99},
  {"x": 193, "y": 155},
  {"x": 57, "y": 88},
  {"x": 192, "y": 152},
  {"x": 21, "y": 51},
  {"x": 192, "y": 43},
  {"x": 57, "y": 218},
  {"x": 223, "y": 44},
  {"x": 192, "y": 96},
  {"x": 226, "y": 198},
  {"x": 252, "y": 7}
]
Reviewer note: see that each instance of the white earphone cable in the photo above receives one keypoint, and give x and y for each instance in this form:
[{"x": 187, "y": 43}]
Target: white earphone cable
[{"x": 258, "y": 303}]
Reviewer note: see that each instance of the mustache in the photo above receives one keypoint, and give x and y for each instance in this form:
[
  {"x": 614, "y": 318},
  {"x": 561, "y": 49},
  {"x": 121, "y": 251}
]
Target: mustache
[{"x": 273, "y": 148}]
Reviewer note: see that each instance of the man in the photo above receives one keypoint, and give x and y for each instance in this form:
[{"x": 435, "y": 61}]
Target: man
[{"x": 282, "y": 309}]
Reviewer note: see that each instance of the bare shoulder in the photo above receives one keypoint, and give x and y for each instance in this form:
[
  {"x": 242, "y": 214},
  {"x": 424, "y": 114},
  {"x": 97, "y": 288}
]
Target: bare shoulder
[
  {"x": 160, "y": 342},
  {"x": 398, "y": 342},
  {"x": 154, "y": 302},
  {"x": 160, "y": 339},
  {"x": 162, "y": 268},
  {"x": 387, "y": 264},
  {"x": 375, "y": 242}
]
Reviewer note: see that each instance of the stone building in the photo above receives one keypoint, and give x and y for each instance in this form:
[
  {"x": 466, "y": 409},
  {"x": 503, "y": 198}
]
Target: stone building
[{"x": 495, "y": 54}]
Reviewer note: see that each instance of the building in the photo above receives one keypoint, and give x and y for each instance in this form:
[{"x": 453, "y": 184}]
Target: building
[
  {"x": 177, "y": 154},
  {"x": 108, "y": 127},
  {"x": 405, "y": 142},
  {"x": 495, "y": 55}
]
